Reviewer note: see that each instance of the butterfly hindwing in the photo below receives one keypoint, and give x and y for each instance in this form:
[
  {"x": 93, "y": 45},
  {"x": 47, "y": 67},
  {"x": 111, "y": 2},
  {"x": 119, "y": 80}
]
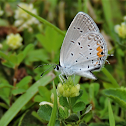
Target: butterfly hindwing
[{"x": 87, "y": 53}]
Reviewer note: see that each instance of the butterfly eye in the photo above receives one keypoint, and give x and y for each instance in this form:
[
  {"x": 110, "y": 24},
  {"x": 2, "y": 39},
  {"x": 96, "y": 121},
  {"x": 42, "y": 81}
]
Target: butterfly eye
[{"x": 57, "y": 67}]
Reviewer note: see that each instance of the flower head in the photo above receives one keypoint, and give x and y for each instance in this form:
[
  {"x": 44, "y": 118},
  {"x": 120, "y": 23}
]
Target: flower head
[
  {"x": 121, "y": 29},
  {"x": 1, "y": 46},
  {"x": 68, "y": 89},
  {"x": 1, "y": 12},
  {"x": 23, "y": 19},
  {"x": 14, "y": 40}
]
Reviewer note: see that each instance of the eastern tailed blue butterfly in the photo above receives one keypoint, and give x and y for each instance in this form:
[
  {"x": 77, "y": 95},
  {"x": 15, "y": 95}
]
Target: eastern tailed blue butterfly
[{"x": 83, "y": 50}]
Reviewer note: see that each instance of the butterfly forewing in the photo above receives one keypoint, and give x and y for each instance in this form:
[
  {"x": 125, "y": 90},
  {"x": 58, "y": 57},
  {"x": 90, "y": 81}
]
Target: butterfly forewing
[{"x": 81, "y": 24}]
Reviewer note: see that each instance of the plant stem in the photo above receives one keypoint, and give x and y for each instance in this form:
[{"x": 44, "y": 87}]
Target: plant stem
[{"x": 69, "y": 101}]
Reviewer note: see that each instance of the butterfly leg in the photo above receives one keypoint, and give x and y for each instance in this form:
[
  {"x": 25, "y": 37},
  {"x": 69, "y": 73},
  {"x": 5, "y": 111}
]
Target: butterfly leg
[{"x": 62, "y": 78}]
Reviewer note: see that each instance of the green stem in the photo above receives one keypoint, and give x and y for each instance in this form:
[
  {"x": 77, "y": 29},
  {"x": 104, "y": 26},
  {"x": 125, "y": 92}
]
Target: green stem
[{"x": 70, "y": 106}]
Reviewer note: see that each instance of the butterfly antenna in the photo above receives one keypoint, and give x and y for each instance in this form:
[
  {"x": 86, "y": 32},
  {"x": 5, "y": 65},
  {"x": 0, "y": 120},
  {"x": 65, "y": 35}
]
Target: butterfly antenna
[
  {"x": 47, "y": 69},
  {"x": 38, "y": 66},
  {"x": 43, "y": 65}
]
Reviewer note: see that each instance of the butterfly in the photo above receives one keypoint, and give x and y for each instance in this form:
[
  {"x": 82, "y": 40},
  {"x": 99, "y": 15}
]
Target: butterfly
[{"x": 83, "y": 50}]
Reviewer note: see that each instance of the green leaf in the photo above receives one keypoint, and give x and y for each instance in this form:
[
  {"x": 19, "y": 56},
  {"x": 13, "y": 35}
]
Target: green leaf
[
  {"x": 4, "y": 55},
  {"x": 99, "y": 124},
  {"x": 51, "y": 40},
  {"x": 5, "y": 85},
  {"x": 54, "y": 111},
  {"x": 18, "y": 91},
  {"x": 3, "y": 105},
  {"x": 85, "y": 96},
  {"x": 63, "y": 113},
  {"x": 79, "y": 106},
  {"x": 44, "y": 21},
  {"x": 5, "y": 89},
  {"x": 88, "y": 109},
  {"x": 38, "y": 98},
  {"x": 45, "y": 93},
  {"x": 93, "y": 90},
  {"x": 23, "y": 100},
  {"x": 111, "y": 79},
  {"x": 83, "y": 124},
  {"x": 34, "y": 113},
  {"x": 45, "y": 112},
  {"x": 4, "y": 22},
  {"x": 6, "y": 60},
  {"x": 122, "y": 123},
  {"x": 29, "y": 120},
  {"x": 108, "y": 85},
  {"x": 74, "y": 99},
  {"x": 36, "y": 55},
  {"x": 63, "y": 101},
  {"x": 25, "y": 81},
  {"x": 72, "y": 118},
  {"x": 111, "y": 116},
  {"x": 24, "y": 54},
  {"x": 20, "y": 57},
  {"x": 57, "y": 123},
  {"x": 27, "y": 49},
  {"x": 108, "y": 14},
  {"x": 118, "y": 95},
  {"x": 13, "y": 58}
]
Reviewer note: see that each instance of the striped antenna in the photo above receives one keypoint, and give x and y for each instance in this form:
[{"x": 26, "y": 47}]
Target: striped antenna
[
  {"x": 47, "y": 69},
  {"x": 44, "y": 65},
  {"x": 53, "y": 65}
]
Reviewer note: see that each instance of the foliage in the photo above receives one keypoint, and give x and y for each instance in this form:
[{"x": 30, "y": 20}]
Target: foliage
[{"x": 97, "y": 103}]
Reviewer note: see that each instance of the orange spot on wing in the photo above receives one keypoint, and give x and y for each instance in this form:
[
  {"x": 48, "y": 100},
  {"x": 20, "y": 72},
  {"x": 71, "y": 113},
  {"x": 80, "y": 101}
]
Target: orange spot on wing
[
  {"x": 99, "y": 49},
  {"x": 99, "y": 52}
]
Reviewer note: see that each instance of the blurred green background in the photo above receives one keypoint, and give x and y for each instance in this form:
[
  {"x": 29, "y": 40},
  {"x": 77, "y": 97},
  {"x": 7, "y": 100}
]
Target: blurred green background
[{"x": 26, "y": 43}]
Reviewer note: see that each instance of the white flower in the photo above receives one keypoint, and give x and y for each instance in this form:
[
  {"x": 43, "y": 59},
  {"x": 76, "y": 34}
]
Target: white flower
[
  {"x": 14, "y": 40},
  {"x": 121, "y": 30},
  {"x": 46, "y": 103},
  {"x": 1, "y": 46},
  {"x": 124, "y": 18},
  {"x": 18, "y": 22},
  {"x": 1, "y": 12},
  {"x": 23, "y": 19}
]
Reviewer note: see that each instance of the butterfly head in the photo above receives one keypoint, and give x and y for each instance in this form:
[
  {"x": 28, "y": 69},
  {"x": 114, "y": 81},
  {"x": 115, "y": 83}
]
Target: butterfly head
[{"x": 57, "y": 68}]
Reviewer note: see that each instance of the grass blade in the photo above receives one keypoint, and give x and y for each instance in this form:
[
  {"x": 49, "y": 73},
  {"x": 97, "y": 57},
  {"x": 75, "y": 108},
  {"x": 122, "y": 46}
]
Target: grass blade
[
  {"x": 23, "y": 100},
  {"x": 113, "y": 81},
  {"x": 111, "y": 116},
  {"x": 54, "y": 111}
]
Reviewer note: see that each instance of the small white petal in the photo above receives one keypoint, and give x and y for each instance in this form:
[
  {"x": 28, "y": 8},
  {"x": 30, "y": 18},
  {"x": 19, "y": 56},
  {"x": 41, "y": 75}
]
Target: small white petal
[{"x": 46, "y": 103}]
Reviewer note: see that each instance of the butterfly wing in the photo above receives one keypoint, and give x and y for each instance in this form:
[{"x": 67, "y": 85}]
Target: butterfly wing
[
  {"x": 81, "y": 24},
  {"x": 88, "y": 53}
]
